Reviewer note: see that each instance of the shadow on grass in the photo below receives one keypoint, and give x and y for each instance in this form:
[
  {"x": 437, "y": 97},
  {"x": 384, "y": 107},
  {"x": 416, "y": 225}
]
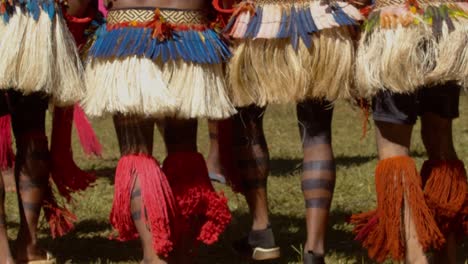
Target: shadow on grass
[{"x": 93, "y": 245}]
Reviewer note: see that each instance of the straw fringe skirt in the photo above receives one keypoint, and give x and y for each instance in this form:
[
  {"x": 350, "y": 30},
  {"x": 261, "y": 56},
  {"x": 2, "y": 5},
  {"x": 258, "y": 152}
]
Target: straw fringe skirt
[
  {"x": 38, "y": 53},
  {"x": 404, "y": 48},
  {"x": 181, "y": 76},
  {"x": 291, "y": 51}
]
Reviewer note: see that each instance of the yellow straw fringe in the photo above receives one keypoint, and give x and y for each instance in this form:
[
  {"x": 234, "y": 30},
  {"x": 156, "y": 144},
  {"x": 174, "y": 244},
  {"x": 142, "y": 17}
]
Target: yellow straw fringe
[
  {"x": 40, "y": 56},
  {"x": 452, "y": 59},
  {"x": 271, "y": 71},
  {"x": 142, "y": 87},
  {"x": 394, "y": 59}
]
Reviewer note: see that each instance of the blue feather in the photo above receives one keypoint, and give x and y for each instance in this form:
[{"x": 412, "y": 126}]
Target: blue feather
[
  {"x": 302, "y": 31},
  {"x": 229, "y": 25},
  {"x": 293, "y": 28},
  {"x": 252, "y": 25},
  {"x": 172, "y": 50},
  {"x": 164, "y": 51},
  {"x": 211, "y": 48},
  {"x": 157, "y": 49},
  {"x": 188, "y": 45},
  {"x": 310, "y": 20},
  {"x": 179, "y": 45},
  {"x": 259, "y": 21},
  {"x": 284, "y": 25}
]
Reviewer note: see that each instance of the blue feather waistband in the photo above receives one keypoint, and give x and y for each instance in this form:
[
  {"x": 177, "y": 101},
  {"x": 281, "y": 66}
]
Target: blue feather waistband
[
  {"x": 202, "y": 47},
  {"x": 31, "y": 7},
  {"x": 290, "y": 21}
]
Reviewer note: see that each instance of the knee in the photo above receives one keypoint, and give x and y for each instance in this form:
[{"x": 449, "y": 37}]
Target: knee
[
  {"x": 33, "y": 156},
  {"x": 314, "y": 120}
]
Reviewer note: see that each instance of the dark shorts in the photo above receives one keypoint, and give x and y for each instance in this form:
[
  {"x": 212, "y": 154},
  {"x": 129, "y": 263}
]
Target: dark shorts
[
  {"x": 442, "y": 100},
  {"x": 27, "y": 111}
]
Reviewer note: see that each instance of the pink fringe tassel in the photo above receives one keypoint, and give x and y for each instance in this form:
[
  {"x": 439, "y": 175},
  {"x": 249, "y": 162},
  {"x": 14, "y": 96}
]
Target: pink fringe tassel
[
  {"x": 68, "y": 177},
  {"x": 88, "y": 138},
  {"x": 7, "y": 157}
]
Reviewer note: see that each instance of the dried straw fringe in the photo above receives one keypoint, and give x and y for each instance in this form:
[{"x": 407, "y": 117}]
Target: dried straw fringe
[
  {"x": 394, "y": 59},
  {"x": 40, "y": 56},
  {"x": 140, "y": 86},
  {"x": 452, "y": 60},
  {"x": 271, "y": 71}
]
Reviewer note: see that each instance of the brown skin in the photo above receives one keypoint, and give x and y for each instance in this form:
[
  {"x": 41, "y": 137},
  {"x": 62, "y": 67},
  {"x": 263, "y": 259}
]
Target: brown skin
[{"x": 175, "y": 4}]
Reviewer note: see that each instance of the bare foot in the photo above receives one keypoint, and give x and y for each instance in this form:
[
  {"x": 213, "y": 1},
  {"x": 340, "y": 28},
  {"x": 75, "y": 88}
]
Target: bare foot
[
  {"x": 9, "y": 180},
  {"x": 25, "y": 253},
  {"x": 153, "y": 261}
]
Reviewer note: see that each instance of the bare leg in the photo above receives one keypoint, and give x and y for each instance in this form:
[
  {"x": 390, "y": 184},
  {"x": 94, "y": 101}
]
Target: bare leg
[
  {"x": 318, "y": 179},
  {"x": 32, "y": 169},
  {"x": 394, "y": 140},
  {"x": 253, "y": 162},
  {"x": 9, "y": 180},
  {"x": 135, "y": 135},
  {"x": 436, "y": 133},
  {"x": 5, "y": 253},
  {"x": 212, "y": 161}
]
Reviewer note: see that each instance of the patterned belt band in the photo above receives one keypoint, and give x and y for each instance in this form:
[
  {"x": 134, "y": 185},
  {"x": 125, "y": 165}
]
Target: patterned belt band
[
  {"x": 279, "y": 2},
  {"x": 384, "y": 3},
  {"x": 178, "y": 17}
]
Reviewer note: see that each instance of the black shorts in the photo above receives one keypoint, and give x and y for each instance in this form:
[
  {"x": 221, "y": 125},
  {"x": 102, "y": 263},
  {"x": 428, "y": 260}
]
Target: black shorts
[
  {"x": 442, "y": 100},
  {"x": 27, "y": 111}
]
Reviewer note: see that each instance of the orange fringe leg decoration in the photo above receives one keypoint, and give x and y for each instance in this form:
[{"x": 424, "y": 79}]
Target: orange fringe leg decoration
[
  {"x": 446, "y": 190},
  {"x": 380, "y": 231}
]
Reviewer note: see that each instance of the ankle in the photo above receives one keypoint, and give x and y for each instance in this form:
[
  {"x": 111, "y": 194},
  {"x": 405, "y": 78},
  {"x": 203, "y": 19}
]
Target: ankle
[
  {"x": 260, "y": 225},
  {"x": 317, "y": 248}
]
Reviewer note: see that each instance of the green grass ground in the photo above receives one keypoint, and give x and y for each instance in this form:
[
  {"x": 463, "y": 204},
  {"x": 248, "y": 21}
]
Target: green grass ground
[{"x": 356, "y": 160}]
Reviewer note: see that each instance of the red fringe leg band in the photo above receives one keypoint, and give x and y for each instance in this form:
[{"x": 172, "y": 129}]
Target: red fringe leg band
[
  {"x": 446, "y": 193},
  {"x": 68, "y": 177},
  {"x": 205, "y": 212},
  {"x": 60, "y": 219},
  {"x": 159, "y": 205},
  {"x": 7, "y": 156},
  {"x": 396, "y": 179}
]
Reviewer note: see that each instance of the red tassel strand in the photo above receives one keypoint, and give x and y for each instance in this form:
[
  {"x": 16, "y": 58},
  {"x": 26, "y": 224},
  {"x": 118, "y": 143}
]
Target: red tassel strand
[
  {"x": 159, "y": 205},
  {"x": 204, "y": 211},
  {"x": 396, "y": 179},
  {"x": 445, "y": 191},
  {"x": 68, "y": 177},
  {"x": 88, "y": 138},
  {"x": 60, "y": 219},
  {"x": 7, "y": 156}
]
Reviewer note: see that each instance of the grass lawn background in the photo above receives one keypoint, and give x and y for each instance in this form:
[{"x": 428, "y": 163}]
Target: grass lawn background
[{"x": 355, "y": 159}]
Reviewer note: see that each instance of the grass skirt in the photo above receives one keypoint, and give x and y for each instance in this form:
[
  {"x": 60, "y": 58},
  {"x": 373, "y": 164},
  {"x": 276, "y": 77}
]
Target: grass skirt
[
  {"x": 407, "y": 46},
  {"x": 157, "y": 63},
  {"x": 290, "y": 51},
  {"x": 38, "y": 53}
]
